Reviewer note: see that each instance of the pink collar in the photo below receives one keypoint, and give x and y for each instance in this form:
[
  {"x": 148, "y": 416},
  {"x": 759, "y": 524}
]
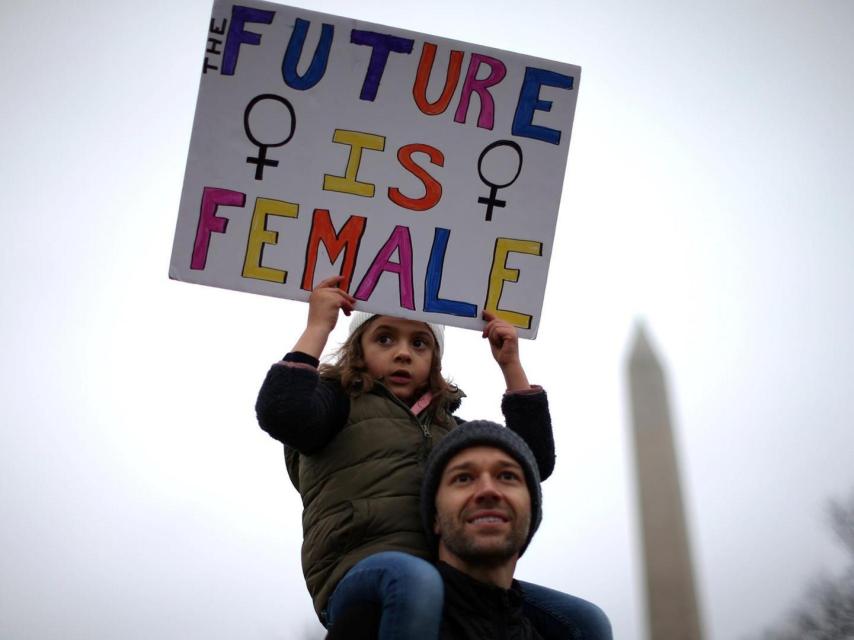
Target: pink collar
[{"x": 422, "y": 403}]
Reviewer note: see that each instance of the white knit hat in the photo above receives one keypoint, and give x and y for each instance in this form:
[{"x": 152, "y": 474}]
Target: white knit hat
[{"x": 358, "y": 318}]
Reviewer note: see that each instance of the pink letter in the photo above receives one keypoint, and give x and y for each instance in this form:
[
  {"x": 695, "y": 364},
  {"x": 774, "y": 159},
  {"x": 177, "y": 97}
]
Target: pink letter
[
  {"x": 212, "y": 197},
  {"x": 487, "y": 106},
  {"x": 402, "y": 242}
]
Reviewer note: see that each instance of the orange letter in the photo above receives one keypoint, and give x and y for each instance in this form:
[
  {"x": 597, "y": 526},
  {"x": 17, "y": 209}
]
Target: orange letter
[
  {"x": 422, "y": 78},
  {"x": 348, "y": 240},
  {"x": 432, "y": 187}
]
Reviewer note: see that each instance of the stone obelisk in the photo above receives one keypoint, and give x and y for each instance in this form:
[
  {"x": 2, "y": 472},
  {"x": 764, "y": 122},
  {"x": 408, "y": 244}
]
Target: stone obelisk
[{"x": 672, "y": 611}]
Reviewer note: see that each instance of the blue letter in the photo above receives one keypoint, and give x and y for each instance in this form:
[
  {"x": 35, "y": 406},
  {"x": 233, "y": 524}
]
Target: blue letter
[
  {"x": 318, "y": 62},
  {"x": 433, "y": 281},
  {"x": 529, "y": 101},
  {"x": 382, "y": 44},
  {"x": 237, "y": 35}
]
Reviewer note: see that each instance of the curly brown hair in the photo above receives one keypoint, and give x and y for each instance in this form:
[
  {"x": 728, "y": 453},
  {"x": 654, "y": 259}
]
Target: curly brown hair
[{"x": 348, "y": 367}]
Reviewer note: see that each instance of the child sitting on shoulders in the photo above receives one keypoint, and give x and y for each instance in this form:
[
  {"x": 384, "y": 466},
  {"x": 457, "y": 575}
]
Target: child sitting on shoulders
[{"x": 356, "y": 435}]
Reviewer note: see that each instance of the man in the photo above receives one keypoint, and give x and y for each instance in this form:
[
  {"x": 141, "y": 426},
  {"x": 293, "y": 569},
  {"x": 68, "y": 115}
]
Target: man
[{"x": 481, "y": 502}]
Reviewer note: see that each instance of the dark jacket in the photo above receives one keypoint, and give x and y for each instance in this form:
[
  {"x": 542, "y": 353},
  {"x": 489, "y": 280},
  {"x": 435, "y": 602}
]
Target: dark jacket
[
  {"x": 472, "y": 611},
  {"x": 358, "y": 463},
  {"x": 475, "y": 610}
]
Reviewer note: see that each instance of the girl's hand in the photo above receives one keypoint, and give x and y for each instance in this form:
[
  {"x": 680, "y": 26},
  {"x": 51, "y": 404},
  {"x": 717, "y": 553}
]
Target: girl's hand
[
  {"x": 325, "y": 301},
  {"x": 504, "y": 342},
  {"x": 323, "y": 305},
  {"x": 503, "y": 339}
]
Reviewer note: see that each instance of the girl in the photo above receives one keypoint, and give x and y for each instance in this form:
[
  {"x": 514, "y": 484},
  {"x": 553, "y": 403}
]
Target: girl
[{"x": 356, "y": 434}]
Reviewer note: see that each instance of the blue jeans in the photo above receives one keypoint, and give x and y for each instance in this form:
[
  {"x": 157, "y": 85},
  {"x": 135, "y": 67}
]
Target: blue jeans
[
  {"x": 560, "y": 616},
  {"x": 408, "y": 590}
]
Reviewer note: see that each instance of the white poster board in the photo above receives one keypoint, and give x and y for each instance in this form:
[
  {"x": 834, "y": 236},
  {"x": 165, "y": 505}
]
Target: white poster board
[{"x": 426, "y": 171}]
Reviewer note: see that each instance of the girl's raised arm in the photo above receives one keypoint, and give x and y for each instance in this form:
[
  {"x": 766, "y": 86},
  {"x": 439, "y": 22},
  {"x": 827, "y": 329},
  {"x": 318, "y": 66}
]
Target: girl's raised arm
[
  {"x": 525, "y": 407},
  {"x": 504, "y": 342},
  {"x": 323, "y": 305}
]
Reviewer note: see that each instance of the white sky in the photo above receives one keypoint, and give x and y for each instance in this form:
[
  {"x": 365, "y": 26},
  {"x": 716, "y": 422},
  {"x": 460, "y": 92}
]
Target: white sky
[{"x": 708, "y": 190}]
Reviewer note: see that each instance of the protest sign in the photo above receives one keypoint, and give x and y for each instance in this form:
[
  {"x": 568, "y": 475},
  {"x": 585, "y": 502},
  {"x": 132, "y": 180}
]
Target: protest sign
[{"x": 426, "y": 171}]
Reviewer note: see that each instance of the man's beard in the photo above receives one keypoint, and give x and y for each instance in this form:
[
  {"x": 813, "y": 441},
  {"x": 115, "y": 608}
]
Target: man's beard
[{"x": 482, "y": 549}]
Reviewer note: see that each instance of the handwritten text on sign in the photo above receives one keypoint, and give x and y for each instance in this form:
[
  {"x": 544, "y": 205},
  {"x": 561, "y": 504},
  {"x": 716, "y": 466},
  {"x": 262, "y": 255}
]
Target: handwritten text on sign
[{"x": 426, "y": 171}]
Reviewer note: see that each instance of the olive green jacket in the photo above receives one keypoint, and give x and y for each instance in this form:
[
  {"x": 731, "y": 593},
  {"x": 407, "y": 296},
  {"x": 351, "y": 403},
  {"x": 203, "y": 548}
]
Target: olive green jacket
[
  {"x": 378, "y": 456},
  {"x": 358, "y": 462}
]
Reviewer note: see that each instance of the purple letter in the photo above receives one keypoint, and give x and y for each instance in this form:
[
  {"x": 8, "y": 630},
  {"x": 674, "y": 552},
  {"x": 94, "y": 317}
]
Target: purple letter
[
  {"x": 382, "y": 44},
  {"x": 237, "y": 35}
]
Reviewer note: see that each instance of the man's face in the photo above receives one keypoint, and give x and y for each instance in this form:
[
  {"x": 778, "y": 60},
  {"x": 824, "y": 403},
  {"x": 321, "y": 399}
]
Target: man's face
[{"x": 483, "y": 508}]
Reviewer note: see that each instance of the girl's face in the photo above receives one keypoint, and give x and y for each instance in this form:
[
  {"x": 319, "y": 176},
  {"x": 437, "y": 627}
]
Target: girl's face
[{"x": 400, "y": 353}]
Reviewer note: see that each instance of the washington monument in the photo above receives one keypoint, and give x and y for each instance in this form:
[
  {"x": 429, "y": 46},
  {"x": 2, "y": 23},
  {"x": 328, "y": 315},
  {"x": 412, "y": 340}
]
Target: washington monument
[{"x": 672, "y": 611}]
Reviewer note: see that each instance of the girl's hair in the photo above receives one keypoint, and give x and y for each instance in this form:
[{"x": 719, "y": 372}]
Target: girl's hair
[{"x": 348, "y": 367}]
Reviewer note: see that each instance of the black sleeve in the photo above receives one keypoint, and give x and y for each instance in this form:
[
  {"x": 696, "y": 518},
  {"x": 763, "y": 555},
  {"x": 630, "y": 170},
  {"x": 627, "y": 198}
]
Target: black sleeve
[
  {"x": 299, "y": 408},
  {"x": 528, "y": 415}
]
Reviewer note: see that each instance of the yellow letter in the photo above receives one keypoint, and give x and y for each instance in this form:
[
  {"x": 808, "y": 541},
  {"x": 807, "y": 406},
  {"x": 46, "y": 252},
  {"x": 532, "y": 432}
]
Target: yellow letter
[
  {"x": 501, "y": 273},
  {"x": 357, "y": 141},
  {"x": 259, "y": 236}
]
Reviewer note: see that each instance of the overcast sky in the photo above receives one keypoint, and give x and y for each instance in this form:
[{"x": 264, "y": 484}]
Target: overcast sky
[{"x": 708, "y": 191}]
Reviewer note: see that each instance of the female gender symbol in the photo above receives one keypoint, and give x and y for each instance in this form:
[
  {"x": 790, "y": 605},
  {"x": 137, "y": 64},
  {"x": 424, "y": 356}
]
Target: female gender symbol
[
  {"x": 260, "y": 161},
  {"x": 492, "y": 200}
]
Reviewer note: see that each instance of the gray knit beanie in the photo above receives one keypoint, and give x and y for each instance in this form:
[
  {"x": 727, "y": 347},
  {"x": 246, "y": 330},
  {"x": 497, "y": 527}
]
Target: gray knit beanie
[
  {"x": 358, "y": 318},
  {"x": 473, "y": 434}
]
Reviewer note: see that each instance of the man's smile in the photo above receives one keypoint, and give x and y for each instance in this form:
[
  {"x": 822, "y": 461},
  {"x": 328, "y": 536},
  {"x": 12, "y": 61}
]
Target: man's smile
[{"x": 487, "y": 518}]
